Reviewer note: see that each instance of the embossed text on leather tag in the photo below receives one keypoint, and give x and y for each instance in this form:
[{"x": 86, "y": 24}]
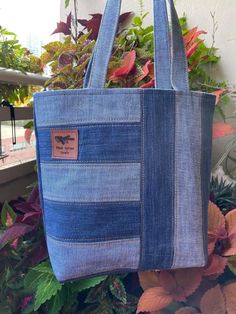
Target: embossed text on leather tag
[{"x": 65, "y": 144}]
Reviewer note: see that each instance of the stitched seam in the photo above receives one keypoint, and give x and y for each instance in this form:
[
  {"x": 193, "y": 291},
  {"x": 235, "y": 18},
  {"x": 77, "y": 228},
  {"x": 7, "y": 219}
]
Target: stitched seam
[
  {"x": 134, "y": 199},
  {"x": 175, "y": 200},
  {"x": 92, "y": 203},
  {"x": 97, "y": 239},
  {"x": 71, "y": 166},
  {"x": 78, "y": 162},
  {"x": 84, "y": 126},
  {"x": 107, "y": 243}
]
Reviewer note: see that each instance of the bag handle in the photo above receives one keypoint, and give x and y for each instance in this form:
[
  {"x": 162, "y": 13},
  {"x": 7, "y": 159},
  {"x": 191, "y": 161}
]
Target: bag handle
[{"x": 170, "y": 68}]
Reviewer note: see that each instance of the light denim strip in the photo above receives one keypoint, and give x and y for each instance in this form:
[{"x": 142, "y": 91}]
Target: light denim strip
[
  {"x": 68, "y": 182},
  {"x": 188, "y": 237},
  {"x": 87, "y": 259},
  {"x": 75, "y": 108}
]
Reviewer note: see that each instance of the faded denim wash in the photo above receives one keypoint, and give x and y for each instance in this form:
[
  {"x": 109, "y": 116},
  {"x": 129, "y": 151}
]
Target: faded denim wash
[{"x": 136, "y": 195}]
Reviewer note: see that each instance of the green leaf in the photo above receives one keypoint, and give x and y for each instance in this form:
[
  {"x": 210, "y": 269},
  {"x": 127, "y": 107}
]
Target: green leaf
[
  {"x": 55, "y": 304},
  {"x": 87, "y": 283},
  {"x": 7, "y": 210},
  {"x": 41, "y": 281},
  {"x": 5, "y": 309},
  {"x": 118, "y": 290},
  {"x": 67, "y": 2},
  {"x": 138, "y": 21},
  {"x": 29, "y": 125}
]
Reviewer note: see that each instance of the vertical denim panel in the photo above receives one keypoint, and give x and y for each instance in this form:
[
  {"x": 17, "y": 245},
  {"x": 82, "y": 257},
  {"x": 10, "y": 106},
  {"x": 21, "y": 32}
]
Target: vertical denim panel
[
  {"x": 109, "y": 182},
  {"x": 157, "y": 220},
  {"x": 78, "y": 260},
  {"x": 207, "y": 112},
  {"x": 188, "y": 237}
]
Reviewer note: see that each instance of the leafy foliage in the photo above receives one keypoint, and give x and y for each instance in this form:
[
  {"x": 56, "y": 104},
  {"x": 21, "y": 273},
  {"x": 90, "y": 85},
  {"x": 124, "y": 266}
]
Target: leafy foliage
[{"x": 14, "y": 56}]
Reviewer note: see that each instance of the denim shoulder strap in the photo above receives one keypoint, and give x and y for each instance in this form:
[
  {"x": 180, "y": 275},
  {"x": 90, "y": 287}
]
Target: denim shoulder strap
[{"x": 171, "y": 71}]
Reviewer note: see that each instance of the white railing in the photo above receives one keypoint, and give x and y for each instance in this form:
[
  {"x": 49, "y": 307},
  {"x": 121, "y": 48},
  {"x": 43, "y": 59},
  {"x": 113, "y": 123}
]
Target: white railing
[{"x": 11, "y": 176}]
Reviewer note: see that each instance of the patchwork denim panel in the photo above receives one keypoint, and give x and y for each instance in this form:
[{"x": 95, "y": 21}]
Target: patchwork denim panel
[
  {"x": 158, "y": 173},
  {"x": 99, "y": 143},
  {"x": 207, "y": 111},
  {"x": 88, "y": 259},
  {"x": 87, "y": 108},
  {"x": 92, "y": 221},
  {"x": 188, "y": 235},
  {"x": 110, "y": 182}
]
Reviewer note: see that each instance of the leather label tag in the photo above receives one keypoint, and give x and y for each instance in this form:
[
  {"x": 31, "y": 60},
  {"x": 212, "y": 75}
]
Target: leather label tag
[{"x": 65, "y": 144}]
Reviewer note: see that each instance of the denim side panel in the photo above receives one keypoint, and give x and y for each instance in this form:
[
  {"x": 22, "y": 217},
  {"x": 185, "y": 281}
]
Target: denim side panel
[
  {"x": 157, "y": 220},
  {"x": 99, "y": 142},
  {"x": 87, "y": 259},
  {"x": 207, "y": 112},
  {"x": 71, "y": 182},
  {"x": 92, "y": 222},
  {"x": 78, "y": 108},
  {"x": 188, "y": 235}
]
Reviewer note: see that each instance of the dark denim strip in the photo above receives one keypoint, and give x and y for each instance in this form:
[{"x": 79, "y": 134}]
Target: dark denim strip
[
  {"x": 99, "y": 143},
  {"x": 92, "y": 222},
  {"x": 207, "y": 112},
  {"x": 157, "y": 225}
]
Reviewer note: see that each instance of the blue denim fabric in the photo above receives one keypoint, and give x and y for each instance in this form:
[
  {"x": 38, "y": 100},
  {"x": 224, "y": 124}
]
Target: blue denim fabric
[
  {"x": 100, "y": 143},
  {"x": 80, "y": 222},
  {"x": 136, "y": 197}
]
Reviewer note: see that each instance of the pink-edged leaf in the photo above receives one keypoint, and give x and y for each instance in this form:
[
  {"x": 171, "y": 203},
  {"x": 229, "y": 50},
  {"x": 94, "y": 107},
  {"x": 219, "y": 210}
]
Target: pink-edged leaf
[
  {"x": 126, "y": 66},
  {"x": 187, "y": 310},
  {"x": 230, "y": 297},
  {"x": 193, "y": 49},
  {"x": 218, "y": 94},
  {"x": 231, "y": 249},
  {"x": 149, "y": 84},
  {"x": 64, "y": 59},
  {"x": 28, "y": 133},
  {"x": 30, "y": 218},
  {"x": 216, "y": 265},
  {"x": 213, "y": 302},
  {"x": 148, "y": 279},
  {"x": 154, "y": 299},
  {"x": 230, "y": 219},
  {"x": 216, "y": 222},
  {"x": 145, "y": 72},
  {"x": 222, "y": 129},
  {"x": 15, "y": 231}
]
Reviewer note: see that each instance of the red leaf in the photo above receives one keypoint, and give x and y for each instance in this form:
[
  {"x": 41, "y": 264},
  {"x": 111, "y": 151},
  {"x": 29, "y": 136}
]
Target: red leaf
[
  {"x": 28, "y": 133},
  {"x": 216, "y": 265},
  {"x": 213, "y": 302},
  {"x": 154, "y": 299},
  {"x": 145, "y": 70},
  {"x": 191, "y": 36},
  {"x": 92, "y": 25},
  {"x": 34, "y": 196},
  {"x": 218, "y": 93},
  {"x": 193, "y": 49},
  {"x": 39, "y": 254},
  {"x": 222, "y": 129},
  {"x": 63, "y": 27},
  {"x": 25, "y": 301},
  {"x": 149, "y": 84},
  {"x": 15, "y": 231},
  {"x": 216, "y": 221},
  {"x": 126, "y": 66}
]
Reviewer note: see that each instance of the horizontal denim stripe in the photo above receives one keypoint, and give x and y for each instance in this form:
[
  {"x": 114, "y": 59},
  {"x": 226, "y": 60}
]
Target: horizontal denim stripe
[
  {"x": 68, "y": 109},
  {"x": 99, "y": 143},
  {"x": 67, "y": 182},
  {"x": 77, "y": 260},
  {"x": 92, "y": 222}
]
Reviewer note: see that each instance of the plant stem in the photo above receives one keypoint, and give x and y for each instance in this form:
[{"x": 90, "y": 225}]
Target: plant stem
[{"x": 75, "y": 19}]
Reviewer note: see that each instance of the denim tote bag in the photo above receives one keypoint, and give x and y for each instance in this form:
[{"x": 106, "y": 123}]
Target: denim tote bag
[{"x": 124, "y": 173}]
